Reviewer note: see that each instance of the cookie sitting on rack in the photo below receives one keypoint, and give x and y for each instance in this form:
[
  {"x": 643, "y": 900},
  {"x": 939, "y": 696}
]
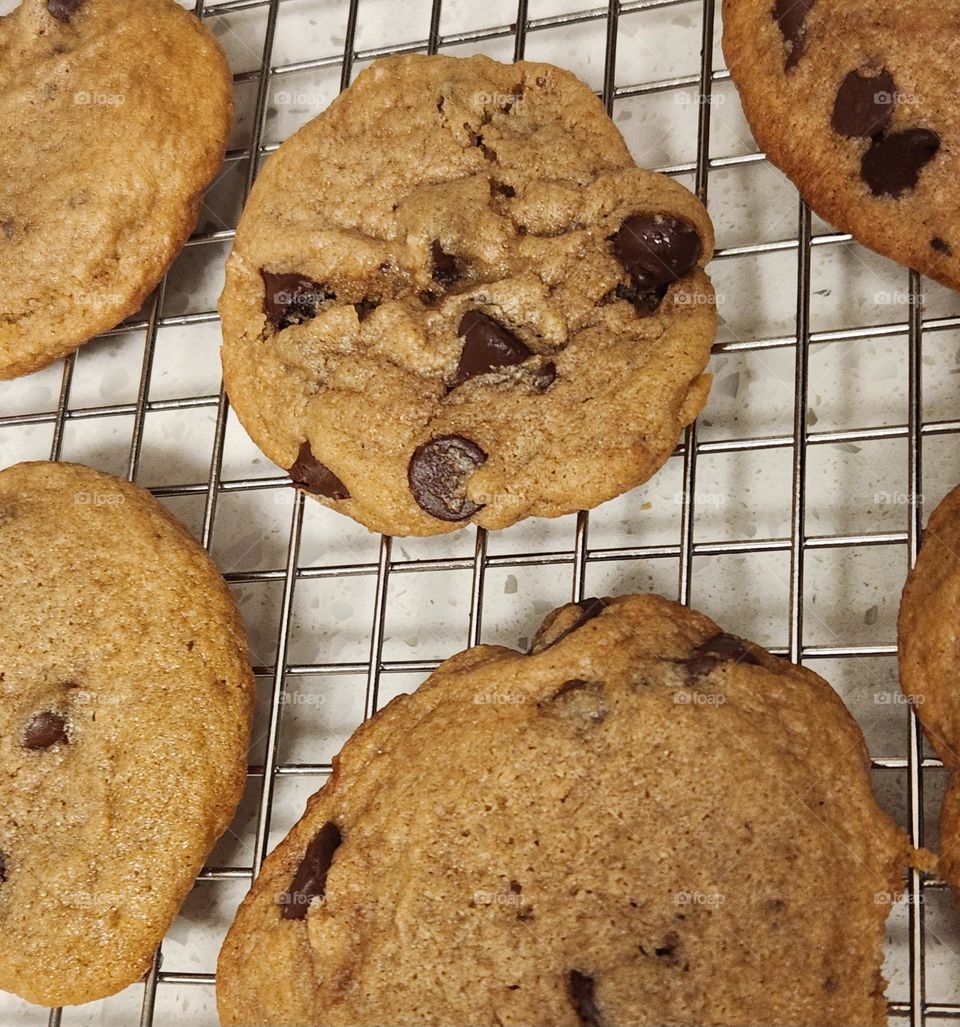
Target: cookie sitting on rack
[
  {"x": 856, "y": 102},
  {"x": 644, "y": 821},
  {"x": 929, "y": 651},
  {"x": 125, "y": 705},
  {"x": 454, "y": 298},
  {"x": 114, "y": 118}
]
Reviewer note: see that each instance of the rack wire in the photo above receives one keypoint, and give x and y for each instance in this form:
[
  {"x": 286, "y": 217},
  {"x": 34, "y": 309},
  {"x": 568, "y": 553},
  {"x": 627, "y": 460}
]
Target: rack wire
[{"x": 911, "y": 765}]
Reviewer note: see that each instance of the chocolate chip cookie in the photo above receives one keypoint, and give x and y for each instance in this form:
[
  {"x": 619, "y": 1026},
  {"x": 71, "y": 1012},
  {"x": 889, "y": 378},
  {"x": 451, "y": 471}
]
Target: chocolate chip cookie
[
  {"x": 125, "y": 705},
  {"x": 930, "y": 662},
  {"x": 855, "y": 101},
  {"x": 114, "y": 118},
  {"x": 644, "y": 821},
  {"x": 454, "y": 298}
]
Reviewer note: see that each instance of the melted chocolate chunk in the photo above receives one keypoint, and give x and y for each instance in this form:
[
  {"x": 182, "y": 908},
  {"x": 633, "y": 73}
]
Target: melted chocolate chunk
[
  {"x": 502, "y": 189},
  {"x": 291, "y": 298},
  {"x": 487, "y": 346},
  {"x": 3, "y": 867},
  {"x": 315, "y": 477},
  {"x": 864, "y": 105},
  {"x": 45, "y": 729},
  {"x": 583, "y": 989},
  {"x": 893, "y": 163},
  {"x": 438, "y": 474},
  {"x": 545, "y": 376},
  {"x": 365, "y": 308},
  {"x": 941, "y": 245},
  {"x": 446, "y": 267},
  {"x": 646, "y": 303},
  {"x": 656, "y": 249},
  {"x": 791, "y": 16},
  {"x": 723, "y": 648},
  {"x": 310, "y": 880},
  {"x": 63, "y": 10}
]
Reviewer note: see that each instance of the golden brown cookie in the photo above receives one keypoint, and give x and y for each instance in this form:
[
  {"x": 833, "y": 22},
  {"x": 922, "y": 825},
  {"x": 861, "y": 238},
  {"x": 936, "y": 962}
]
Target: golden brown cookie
[
  {"x": 928, "y": 633},
  {"x": 454, "y": 298},
  {"x": 856, "y": 102},
  {"x": 125, "y": 705},
  {"x": 114, "y": 118},
  {"x": 646, "y": 821}
]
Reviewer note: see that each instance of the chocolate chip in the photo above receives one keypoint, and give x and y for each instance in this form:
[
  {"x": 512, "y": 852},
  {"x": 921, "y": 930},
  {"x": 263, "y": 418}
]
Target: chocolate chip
[
  {"x": 864, "y": 104},
  {"x": 438, "y": 474},
  {"x": 582, "y": 988},
  {"x": 63, "y": 10},
  {"x": 446, "y": 267},
  {"x": 893, "y": 163},
  {"x": 291, "y": 298},
  {"x": 487, "y": 346},
  {"x": 941, "y": 246},
  {"x": 310, "y": 880},
  {"x": 502, "y": 189},
  {"x": 668, "y": 949},
  {"x": 3, "y": 868},
  {"x": 45, "y": 729},
  {"x": 310, "y": 474},
  {"x": 365, "y": 308},
  {"x": 791, "y": 16},
  {"x": 646, "y": 302},
  {"x": 565, "y": 621},
  {"x": 545, "y": 376},
  {"x": 722, "y": 648},
  {"x": 656, "y": 249}
]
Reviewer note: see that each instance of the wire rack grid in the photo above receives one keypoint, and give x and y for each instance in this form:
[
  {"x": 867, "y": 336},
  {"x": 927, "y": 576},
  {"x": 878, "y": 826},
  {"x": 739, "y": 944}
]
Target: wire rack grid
[{"x": 670, "y": 49}]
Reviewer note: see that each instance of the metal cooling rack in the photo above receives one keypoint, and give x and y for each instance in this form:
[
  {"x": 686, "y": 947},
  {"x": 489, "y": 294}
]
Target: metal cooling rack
[{"x": 565, "y": 551}]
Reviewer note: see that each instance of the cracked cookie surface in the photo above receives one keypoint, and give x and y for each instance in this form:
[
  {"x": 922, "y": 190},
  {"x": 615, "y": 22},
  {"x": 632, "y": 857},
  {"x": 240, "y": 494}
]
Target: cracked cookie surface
[
  {"x": 856, "y": 102},
  {"x": 114, "y": 117},
  {"x": 646, "y": 821},
  {"x": 454, "y": 298},
  {"x": 929, "y": 653},
  {"x": 124, "y": 723}
]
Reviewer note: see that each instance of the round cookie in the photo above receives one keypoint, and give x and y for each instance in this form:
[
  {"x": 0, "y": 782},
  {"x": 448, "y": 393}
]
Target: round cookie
[
  {"x": 928, "y": 640},
  {"x": 114, "y": 118},
  {"x": 126, "y": 698},
  {"x": 855, "y": 101},
  {"x": 454, "y": 298},
  {"x": 646, "y": 821}
]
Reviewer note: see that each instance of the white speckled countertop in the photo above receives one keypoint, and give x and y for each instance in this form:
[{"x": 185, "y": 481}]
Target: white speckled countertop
[{"x": 855, "y": 487}]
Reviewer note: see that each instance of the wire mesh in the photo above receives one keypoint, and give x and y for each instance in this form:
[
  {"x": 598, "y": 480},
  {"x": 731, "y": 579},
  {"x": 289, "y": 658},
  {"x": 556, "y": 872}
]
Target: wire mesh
[{"x": 392, "y": 569}]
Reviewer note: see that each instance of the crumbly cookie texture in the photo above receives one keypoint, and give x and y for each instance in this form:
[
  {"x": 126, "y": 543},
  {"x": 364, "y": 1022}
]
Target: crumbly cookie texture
[
  {"x": 929, "y": 637},
  {"x": 454, "y": 298},
  {"x": 125, "y": 718},
  {"x": 114, "y": 118},
  {"x": 855, "y": 101},
  {"x": 645, "y": 821}
]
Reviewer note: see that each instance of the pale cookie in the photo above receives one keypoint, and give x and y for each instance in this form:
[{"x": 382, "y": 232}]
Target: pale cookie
[
  {"x": 856, "y": 102},
  {"x": 125, "y": 705},
  {"x": 454, "y": 298},
  {"x": 929, "y": 646},
  {"x": 646, "y": 821},
  {"x": 114, "y": 118}
]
